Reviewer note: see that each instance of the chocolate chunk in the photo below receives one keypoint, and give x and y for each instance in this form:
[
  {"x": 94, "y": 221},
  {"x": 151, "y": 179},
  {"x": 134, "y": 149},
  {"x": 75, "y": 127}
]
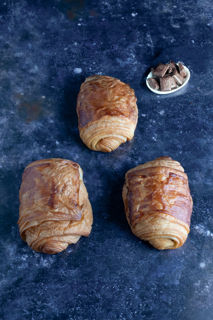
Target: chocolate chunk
[
  {"x": 172, "y": 64},
  {"x": 165, "y": 84},
  {"x": 179, "y": 80},
  {"x": 172, "y": 68},
  {"x": 160, "y": 70},
  {"x": 153, "y": 83},
  {"x": 182, "y": 70},
  {"x": 173, "y": 83}
]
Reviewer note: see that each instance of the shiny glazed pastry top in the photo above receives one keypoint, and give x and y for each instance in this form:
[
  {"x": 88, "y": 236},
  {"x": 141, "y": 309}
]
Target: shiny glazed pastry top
[
  {"x": 54, "y": 207},
  {"x": 158, "y": 203},
  {"x": 107, "y": 113}
]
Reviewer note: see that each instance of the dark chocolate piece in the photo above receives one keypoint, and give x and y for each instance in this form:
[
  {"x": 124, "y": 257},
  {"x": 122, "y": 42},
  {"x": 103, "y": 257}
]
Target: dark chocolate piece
[
  {"x": 165, "y": 84},
  {"x": 172, "y": 68},
  {"x": 153, "y": 83},
  {"x": 182, "y": 70},
  {"x": 160, "y": 70},
  {"x": 173, "y": 83},
  {"x": 179, "y": 80},
  {"x": 173, "y": 64}
]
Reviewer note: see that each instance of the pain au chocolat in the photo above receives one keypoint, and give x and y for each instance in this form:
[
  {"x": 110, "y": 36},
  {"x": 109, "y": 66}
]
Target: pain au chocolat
[
  {"x": 107, "y": 113},
  {"x": 54, "y": 207},
  {"x": 158, "y": 203}
]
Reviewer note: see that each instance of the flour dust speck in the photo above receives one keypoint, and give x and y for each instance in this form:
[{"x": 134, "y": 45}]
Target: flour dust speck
[
  {"x": 202, "y": 265},
  {"x": 77, "y": 70}
]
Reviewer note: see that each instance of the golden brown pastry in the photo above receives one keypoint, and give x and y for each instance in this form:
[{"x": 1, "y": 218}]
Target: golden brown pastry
[
  {"x": 107, "y": 113},
  {"x": 54, "y": 207},
  {"x": 158, "y": 203}
]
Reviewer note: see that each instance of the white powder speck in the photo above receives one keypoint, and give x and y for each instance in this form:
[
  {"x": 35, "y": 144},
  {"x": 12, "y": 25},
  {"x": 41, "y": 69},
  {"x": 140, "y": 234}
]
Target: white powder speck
[
  {"x": 203, "y": 231},
  {"x": 162, "y": 112},
  {"x": 202, "y": 265},
  {"x": 79, "y": 24},
  {"x": 34, "y": 69},
  {"x": 197, "y": 284},
  {"x": 75, "y": 43},
  {"x": 143, "y": 114},
  {"x": 134, "y": 14},
  {"x": 65, "y": 49},
  {"x": 57, "y": 142},
  {"x": 77, "y": 70},
  {"x": 154, "y": 138},
  {"x": 192, "y": 41},
  {"x": 43, "y": 97}
]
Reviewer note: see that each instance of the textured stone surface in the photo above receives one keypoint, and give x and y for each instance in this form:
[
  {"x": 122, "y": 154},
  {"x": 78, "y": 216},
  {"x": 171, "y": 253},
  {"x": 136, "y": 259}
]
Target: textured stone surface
[{"x": 47, "y": 49}]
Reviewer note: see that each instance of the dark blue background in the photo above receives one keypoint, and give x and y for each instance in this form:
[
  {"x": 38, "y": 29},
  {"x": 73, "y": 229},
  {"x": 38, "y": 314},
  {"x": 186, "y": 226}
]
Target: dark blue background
[{"x": 111, "y": 275}]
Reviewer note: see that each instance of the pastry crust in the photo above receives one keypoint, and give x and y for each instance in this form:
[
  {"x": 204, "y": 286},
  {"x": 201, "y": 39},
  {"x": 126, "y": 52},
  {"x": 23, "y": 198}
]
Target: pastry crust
[
  {"x": 158, "y": 203},
  {"x": 54, "y": 207},
  {"x": 107, "y": 113}
]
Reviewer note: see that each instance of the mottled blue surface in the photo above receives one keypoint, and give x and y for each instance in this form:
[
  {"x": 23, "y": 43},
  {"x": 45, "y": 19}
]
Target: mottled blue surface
[{"x": 47, "y": 49}]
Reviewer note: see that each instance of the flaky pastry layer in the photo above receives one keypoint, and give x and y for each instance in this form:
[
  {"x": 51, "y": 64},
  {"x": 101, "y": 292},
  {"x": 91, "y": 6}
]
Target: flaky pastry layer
[
  {"x": 107, "y": 113},
  {"x": 158, "y": 203},
  {"x": 54, "y": 207}
]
